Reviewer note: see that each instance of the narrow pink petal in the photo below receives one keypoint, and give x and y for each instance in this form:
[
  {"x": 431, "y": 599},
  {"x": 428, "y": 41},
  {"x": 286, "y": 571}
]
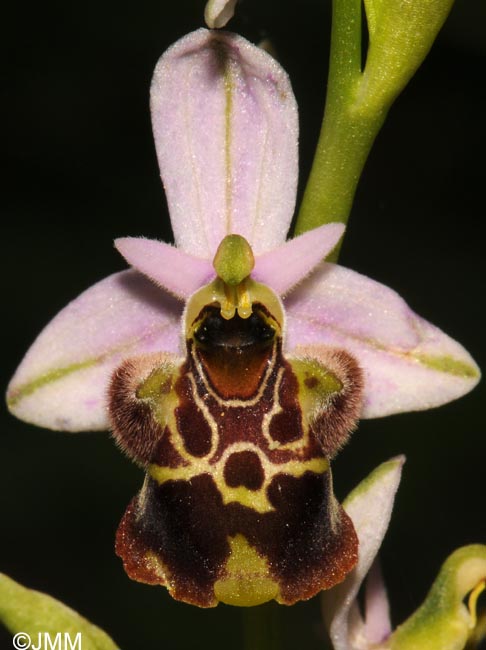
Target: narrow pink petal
[
  {"x": 370, "y": 506},
  {"x": 171, "y": 268},
  {"x": 225, "y": 127},
  {"x": 62, "y": 380},
  {"x": 377, "y": 609},
  {"x": 408, "y": 363},
  {"x": 284, "y": 267}
]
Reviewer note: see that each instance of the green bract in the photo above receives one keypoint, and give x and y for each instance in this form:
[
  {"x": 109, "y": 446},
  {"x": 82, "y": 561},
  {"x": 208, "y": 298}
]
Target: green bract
[{"x": 32, "y": 613}]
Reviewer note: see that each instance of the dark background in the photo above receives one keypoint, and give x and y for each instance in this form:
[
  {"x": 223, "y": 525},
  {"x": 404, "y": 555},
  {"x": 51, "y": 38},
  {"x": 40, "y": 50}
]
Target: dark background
[{"x": 80, "y": 169}]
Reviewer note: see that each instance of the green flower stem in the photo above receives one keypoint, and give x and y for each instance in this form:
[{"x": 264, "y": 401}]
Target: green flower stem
[
  {"x": 261, "y": 627},
  {"x": 401, "y": 33},
  {"x": 336, "y": 169}
]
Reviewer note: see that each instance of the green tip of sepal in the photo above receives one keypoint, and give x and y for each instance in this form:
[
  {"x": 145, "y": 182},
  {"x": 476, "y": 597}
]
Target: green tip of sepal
[
  {"x": 380, "y": 475},
  {"x": 234, "y": 260},
  {"x": 444, "y": 621},
  {"x": 38, "y": 616}
]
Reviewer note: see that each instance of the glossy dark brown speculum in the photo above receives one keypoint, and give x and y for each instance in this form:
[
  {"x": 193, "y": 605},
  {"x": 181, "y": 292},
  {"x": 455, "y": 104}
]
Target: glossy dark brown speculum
[{"x": 237, "y": 504}]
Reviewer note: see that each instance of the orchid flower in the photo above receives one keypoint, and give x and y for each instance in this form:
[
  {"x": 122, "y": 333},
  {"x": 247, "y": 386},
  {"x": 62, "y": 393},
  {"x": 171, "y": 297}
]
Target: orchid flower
[
  {"x": 225, "y": 127},
  {"x": 443, "y": 622}
]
